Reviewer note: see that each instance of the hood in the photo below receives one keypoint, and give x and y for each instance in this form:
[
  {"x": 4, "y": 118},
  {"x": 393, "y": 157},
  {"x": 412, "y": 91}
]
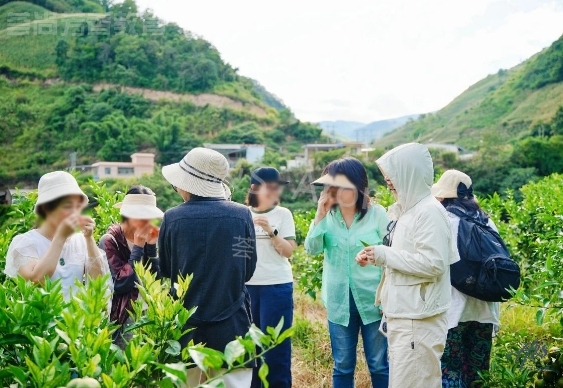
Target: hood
[{"x": 411, "y": 170}]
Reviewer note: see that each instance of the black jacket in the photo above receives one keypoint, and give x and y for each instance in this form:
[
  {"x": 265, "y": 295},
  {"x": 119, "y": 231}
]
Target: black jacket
[{"x": 214, "y": 240}]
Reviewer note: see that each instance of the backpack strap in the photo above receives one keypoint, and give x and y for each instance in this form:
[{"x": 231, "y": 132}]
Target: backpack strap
[{"x": 460, "y": 212}]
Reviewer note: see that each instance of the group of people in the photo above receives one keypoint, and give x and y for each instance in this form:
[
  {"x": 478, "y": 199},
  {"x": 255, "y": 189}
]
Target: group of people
[{"x": 385, "y": 272}]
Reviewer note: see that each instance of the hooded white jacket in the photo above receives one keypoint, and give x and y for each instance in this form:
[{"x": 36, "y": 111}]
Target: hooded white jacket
[{"x": 416, "y": 281}]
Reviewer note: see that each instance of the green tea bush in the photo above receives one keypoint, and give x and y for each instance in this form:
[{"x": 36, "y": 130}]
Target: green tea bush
[{"x": 47, "y": 342}]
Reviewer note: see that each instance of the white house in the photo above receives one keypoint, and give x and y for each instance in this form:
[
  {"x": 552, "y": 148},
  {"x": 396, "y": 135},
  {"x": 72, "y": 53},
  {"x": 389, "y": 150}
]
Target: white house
[
  {"x": 253, "y": 153},
  {"x": 140, "y": 164}
]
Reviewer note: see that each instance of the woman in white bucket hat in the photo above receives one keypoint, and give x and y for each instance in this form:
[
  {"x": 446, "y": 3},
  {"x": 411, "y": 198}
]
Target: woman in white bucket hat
[
  {"x": 212, "y": 239},
  {"x": 55, "y": 249},
  {"x": 129, "y": 242}
]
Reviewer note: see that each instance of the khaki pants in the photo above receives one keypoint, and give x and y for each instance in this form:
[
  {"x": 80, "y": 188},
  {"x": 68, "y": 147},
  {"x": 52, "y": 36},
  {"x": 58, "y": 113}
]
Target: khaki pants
[
  {"x": 241, "y": 378},
  {"x": 415, "y": 349}
]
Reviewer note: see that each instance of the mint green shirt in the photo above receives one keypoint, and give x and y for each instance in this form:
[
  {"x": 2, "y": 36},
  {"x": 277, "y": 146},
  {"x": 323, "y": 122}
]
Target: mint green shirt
[{"x": 341, "y": 273}]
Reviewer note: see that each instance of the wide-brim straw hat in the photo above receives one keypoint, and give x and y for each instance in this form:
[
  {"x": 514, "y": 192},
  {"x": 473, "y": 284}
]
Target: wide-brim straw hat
[
  {"x": 55, "y": 185},
  {"x": 139, "y": 207},
  {"x": 201, "y": 172},
  {"x": 447, "y": 185},
  {"x": 338, "y": 180}
]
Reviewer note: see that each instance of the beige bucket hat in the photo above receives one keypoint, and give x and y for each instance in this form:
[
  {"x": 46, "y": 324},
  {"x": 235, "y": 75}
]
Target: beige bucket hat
[
  {"x": 139, "y": 207},
  {"x": 201, "y": 172},
  {"x": 57, "y": 184},
  {"x": 338, "y": 180},
  {"x": 447, "y": 185}
]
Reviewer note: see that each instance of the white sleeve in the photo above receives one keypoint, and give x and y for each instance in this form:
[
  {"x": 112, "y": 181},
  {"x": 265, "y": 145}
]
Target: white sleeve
[
  {"x": 287, "y": 227},
  {"x": 20, "y": 253}
]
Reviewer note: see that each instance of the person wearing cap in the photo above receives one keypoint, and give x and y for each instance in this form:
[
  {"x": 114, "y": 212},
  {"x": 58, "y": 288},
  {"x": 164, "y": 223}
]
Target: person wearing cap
[
  {"x": 55, "y": 249},
  {"x": 129, "y": 242},
  {"x": 213, "y": 240},
  {"x": 415, "y": 290},
  {"x": 271, "y": 286},
  {"x": 471, "y": 321},
  {"x": 346, "y": 218}
]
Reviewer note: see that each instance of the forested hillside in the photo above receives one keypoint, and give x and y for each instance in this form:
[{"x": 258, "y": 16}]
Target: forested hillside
[
  {"x": 106, "y": 85},
  {"x": 514, "y": 119},
  {"x": 518, "y": 102}
]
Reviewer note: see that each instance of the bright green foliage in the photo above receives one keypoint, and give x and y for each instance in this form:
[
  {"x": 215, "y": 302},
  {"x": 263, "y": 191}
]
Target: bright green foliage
[{"x": 45, "y": 341}]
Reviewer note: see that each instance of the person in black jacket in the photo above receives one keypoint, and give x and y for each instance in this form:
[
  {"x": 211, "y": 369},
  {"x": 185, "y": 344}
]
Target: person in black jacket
[
  {"x": 131, "y": 241},
  {"x": 212, "y": 239}
]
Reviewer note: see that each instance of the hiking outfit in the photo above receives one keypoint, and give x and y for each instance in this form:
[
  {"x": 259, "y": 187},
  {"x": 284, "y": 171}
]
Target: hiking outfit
[
  {"x": 348, "y": 292},
  {"x": 471, "y": 321},
  {"x": 415, "y": 289},
  {"x": 213, "y": 240}
]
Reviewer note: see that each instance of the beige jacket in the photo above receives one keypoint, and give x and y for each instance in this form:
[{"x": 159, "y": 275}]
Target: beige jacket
[{"x": 416, "y": 282}]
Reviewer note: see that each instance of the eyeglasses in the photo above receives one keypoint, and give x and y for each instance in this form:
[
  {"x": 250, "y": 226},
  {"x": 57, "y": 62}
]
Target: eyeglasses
[{"x": 388, "y": 239}]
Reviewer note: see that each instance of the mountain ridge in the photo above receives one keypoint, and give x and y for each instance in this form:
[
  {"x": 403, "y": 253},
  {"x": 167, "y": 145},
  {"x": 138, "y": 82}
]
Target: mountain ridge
[{"x": 511, "y": 102}]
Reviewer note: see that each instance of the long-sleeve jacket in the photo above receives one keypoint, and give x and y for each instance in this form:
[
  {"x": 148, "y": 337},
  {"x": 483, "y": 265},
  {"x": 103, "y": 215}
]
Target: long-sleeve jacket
[
  {"x": 416, "y": 282},
  {"x": 214, "y": 240},
  {"x": 121, "y": 262}
]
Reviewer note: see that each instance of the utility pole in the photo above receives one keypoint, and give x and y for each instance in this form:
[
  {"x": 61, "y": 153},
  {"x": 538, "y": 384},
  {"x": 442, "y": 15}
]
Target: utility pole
[{"x": 73, "y": 160}]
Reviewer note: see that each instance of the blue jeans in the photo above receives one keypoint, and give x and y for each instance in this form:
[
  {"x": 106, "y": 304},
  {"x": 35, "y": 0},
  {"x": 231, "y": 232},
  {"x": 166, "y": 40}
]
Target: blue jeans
[
  {"x": 344, "y": 341},
  {"x": 268, "y": 305}
]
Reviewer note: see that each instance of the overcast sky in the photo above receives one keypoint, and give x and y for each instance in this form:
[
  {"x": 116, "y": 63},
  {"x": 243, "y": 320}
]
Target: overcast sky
[{"x": 366, "y": 60}]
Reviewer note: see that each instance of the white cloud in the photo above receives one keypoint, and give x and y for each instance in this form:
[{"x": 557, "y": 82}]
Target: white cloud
[{"x": 363, "y": 59}]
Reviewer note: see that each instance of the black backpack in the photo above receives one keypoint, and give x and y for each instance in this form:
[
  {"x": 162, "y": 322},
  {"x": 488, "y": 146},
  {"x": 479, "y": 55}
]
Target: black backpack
[{"x": 485, "y": 271}]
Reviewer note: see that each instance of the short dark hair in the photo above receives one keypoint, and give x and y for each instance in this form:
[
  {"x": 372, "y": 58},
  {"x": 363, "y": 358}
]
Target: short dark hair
[
  {"x": 48, "y": 207},
  {"x": 137, "y": 189},
  {"x": 251, "y": 197},
  {"x": 355, "y": 171}
]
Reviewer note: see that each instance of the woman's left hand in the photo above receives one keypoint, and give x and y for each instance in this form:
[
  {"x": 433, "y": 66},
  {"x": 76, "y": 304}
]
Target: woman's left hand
[
  {"x": 87, "y": 224},
  {"x": 263, "y": 222}
]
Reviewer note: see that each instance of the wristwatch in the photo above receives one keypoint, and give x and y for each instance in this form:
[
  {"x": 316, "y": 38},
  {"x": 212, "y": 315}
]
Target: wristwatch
[{"x": 273, "y": 234}]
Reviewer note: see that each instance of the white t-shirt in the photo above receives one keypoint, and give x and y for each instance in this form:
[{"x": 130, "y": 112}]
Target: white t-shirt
[
  {"x": 32, "y": 245},
  {"x": 465, "y": 308},
  {"x": 273, "y": 268}
]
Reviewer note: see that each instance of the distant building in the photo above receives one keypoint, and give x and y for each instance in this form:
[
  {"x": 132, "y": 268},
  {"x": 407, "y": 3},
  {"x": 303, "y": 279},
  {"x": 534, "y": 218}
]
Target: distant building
[
  {"x": 462, "y": 153},
  {"x": 140, "y": 164},
  {"x": 253, "y": 153},
  {"x": 355, "y": 148}
]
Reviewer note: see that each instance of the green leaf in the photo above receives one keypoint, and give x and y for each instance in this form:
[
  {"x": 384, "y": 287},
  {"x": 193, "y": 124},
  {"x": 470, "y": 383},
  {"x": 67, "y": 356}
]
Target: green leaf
[
  {"x": 233, "y": 351},
  {"x": 540, "y": 314},
  {"x": 256, "y": 334},
  {"x": 13, "y": 339},
  {"x": 174, "y": 348},
  {"x": 365, "y": 244},
  {"x": 263, "y": 374},
  {"x": 177, "y": 372},
  {"x": 140, "y": 323}
]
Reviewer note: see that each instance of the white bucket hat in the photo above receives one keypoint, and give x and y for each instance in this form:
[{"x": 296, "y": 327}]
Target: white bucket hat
[
  {"x": 139, "y": 207},
  {"x": 57, "y": 184},
  {"x": 447, "y": 185},
  {"x": 201, "y": 172}
]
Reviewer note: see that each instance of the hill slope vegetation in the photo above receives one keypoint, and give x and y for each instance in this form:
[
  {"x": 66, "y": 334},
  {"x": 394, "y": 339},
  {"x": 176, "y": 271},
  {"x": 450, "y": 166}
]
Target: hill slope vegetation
[
  {"x": 516, "y": 103},
  {"x": 106, "y": 85}
]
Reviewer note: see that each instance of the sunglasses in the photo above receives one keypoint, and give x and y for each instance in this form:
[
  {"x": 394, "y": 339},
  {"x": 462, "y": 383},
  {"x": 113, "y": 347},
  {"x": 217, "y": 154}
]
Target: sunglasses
[{"x": 388, "y": 239}]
